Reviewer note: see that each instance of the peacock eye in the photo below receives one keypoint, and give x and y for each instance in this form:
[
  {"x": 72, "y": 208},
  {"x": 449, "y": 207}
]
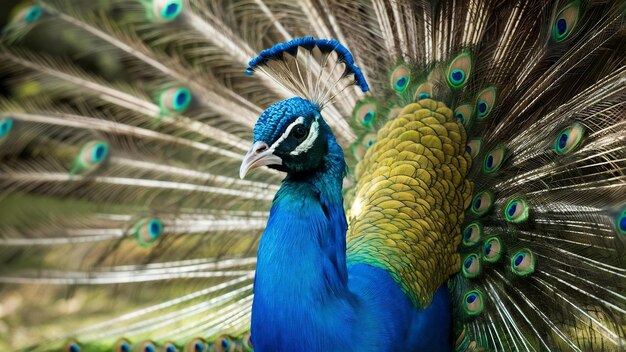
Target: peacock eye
[
  {"x": 122, "y": 345},
  {"x": 481, "y": 203},
  {"x": 492, "y": 250},
  {"x": 472, "y": 233},
  {"x": 299, "y": 131},
  {"x": 523, "y": 262},
  {"x": 516, "y": 210},
  {"x": 473, "y": 302},
  {"x": 471, "y": 266},
  {"x": 493, "y": 160},
  {"x": 565, "y": 21},
  {"x": 569, "y": 138},
  {"x": 72, "y": 346}
]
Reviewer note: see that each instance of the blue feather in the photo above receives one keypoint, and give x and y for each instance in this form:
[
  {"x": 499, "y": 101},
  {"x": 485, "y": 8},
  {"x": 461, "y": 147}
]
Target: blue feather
[{"x": 305, "y": 296}]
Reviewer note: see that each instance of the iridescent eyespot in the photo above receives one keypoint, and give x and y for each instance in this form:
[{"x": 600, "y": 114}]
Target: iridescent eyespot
[
  {"x": 175, "y": 99},
  {"x": 516, "y": 210},
  {"x": 122, "y": 345},
  {"x": 6, "y": 124},
  {"x": 147, "y": 346},
  {"x": 400, "y": 78},
  {"x": 166, "y": 10},
  {"x": 493, "y": 160},
  {"x": 196, "y": 345},
  {"x": 471, "y": 266},
  {"x": 225, "y": 342},
  {"x": 365, "y": 113},
  {"x": 472, "y": 233},
  {"x": 484, "y": 102},
  {"x": 459, "y": 70},
  {"x": 473, "y": 302},
  {"x": 565, "y": 21},
  {"x": 90, "y": 155},
  {"x": 523, "y": 262},
  {"x": 621, "y": 223},
  {"x": 72, "y": 346},
  {"x": 492, "y": 250},
  {"x": 424, "y": 91},
  {"x": 170, "y": 347},
  {"x": 569, "y": 138},
  {"x": 463, "y": 114},
  {"x": 481, "y": 203},
  {"x": 473, "y": 147},
  {"x": 27, "y": 15},
  {"x": 147, "y": 231},
  {"x": 369, "y": 140}
]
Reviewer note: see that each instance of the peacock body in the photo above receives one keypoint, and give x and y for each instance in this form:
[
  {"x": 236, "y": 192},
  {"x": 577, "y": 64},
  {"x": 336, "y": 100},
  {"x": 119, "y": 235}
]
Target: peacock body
[{"x": 440, "y": 175}]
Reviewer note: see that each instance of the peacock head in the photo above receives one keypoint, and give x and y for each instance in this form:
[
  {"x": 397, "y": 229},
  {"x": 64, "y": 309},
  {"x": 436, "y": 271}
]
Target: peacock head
[{"x": 289, "y": 136}]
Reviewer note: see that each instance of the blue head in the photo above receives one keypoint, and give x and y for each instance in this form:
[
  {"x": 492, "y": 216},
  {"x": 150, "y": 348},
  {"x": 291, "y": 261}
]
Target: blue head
[{"x": 289, "y": 136}]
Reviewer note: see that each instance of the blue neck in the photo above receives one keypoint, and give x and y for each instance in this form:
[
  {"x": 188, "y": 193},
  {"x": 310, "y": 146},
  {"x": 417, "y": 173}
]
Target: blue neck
[
  {"x": 302, "y": 256},
  {"x": 303, "y": 299}
]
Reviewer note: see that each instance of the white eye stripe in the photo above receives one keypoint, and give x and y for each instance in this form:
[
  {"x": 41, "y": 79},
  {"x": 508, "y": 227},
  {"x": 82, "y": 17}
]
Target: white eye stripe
[
  {"x": 310, "y": 139},
  {"x": 298, "y": 121}
]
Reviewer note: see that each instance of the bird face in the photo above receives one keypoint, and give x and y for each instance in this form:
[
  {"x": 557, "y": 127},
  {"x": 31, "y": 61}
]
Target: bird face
[{"x": 289, "y": 136}]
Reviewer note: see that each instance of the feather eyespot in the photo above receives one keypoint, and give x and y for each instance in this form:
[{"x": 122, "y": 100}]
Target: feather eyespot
[
  {"x": 473, "y": 302},
  {"x": 72, "y": 346},
  {"x": 516, "y": 210},
  {"x": 471, "y": 266},
  {"x": 565, "y": 21},
  {"x": 473, "y": 147},
  {"x": 170, "y": 347},
  {"x": 365, "y": 114},
  {"x": 122, "y": 345},
  {"x": 28, "y": 15},
  {"x": 167, "y": 10},
  {"x": 472, "y": 233},
  {"x": 196, "y": 345},
  {"x": 484, "y": 102},
  {"x": 369, "y": 140},
  {"x": 174, "y": 100},
  {"x": 226, "y": 344},
  {"x": 400, "y": 78},
  {"x": 147, "y": 231},
  {"x": 424, "y": 91},
  {"x": 459, "y": 70},
  {"x": 621, "y": 223},
  {"x": 523, "y": 262},
  {"x": 492, "y": 250},
  {"x": 481, "y": 203},
  {"x": 90, "y": 155},
  {"x": 493, "y": 160},
  {"x": 6, "y": 124},
  {"x": 148, "y": 346},
  {"x": 569, "y": 138},
  {"x": 463, "y": 114}
]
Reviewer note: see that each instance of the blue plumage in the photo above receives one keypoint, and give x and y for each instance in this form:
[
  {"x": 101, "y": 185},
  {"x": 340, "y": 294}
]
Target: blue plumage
[{"x": 306, "y": 298}]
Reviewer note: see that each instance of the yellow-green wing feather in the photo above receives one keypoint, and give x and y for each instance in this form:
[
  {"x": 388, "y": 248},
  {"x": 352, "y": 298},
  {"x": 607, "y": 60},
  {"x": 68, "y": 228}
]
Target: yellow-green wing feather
[{"x": 410, "y": 199}]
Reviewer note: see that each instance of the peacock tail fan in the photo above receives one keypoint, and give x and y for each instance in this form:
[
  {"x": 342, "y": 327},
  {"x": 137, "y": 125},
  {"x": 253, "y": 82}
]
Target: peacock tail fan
[{"x": 487, "y": 154}]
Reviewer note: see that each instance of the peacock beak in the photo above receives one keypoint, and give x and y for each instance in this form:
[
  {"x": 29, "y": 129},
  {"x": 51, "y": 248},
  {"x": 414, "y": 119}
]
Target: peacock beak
[{"x": 259, "y": 155}]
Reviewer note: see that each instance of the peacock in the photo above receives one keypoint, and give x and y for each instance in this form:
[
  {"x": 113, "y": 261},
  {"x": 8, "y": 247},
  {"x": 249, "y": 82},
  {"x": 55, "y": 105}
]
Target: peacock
[{"x": 313, "y": 175}]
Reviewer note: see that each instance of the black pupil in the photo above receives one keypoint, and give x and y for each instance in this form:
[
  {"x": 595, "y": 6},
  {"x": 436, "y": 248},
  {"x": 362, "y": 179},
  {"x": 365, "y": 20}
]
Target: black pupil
[{"x": 299, "y": 131}]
